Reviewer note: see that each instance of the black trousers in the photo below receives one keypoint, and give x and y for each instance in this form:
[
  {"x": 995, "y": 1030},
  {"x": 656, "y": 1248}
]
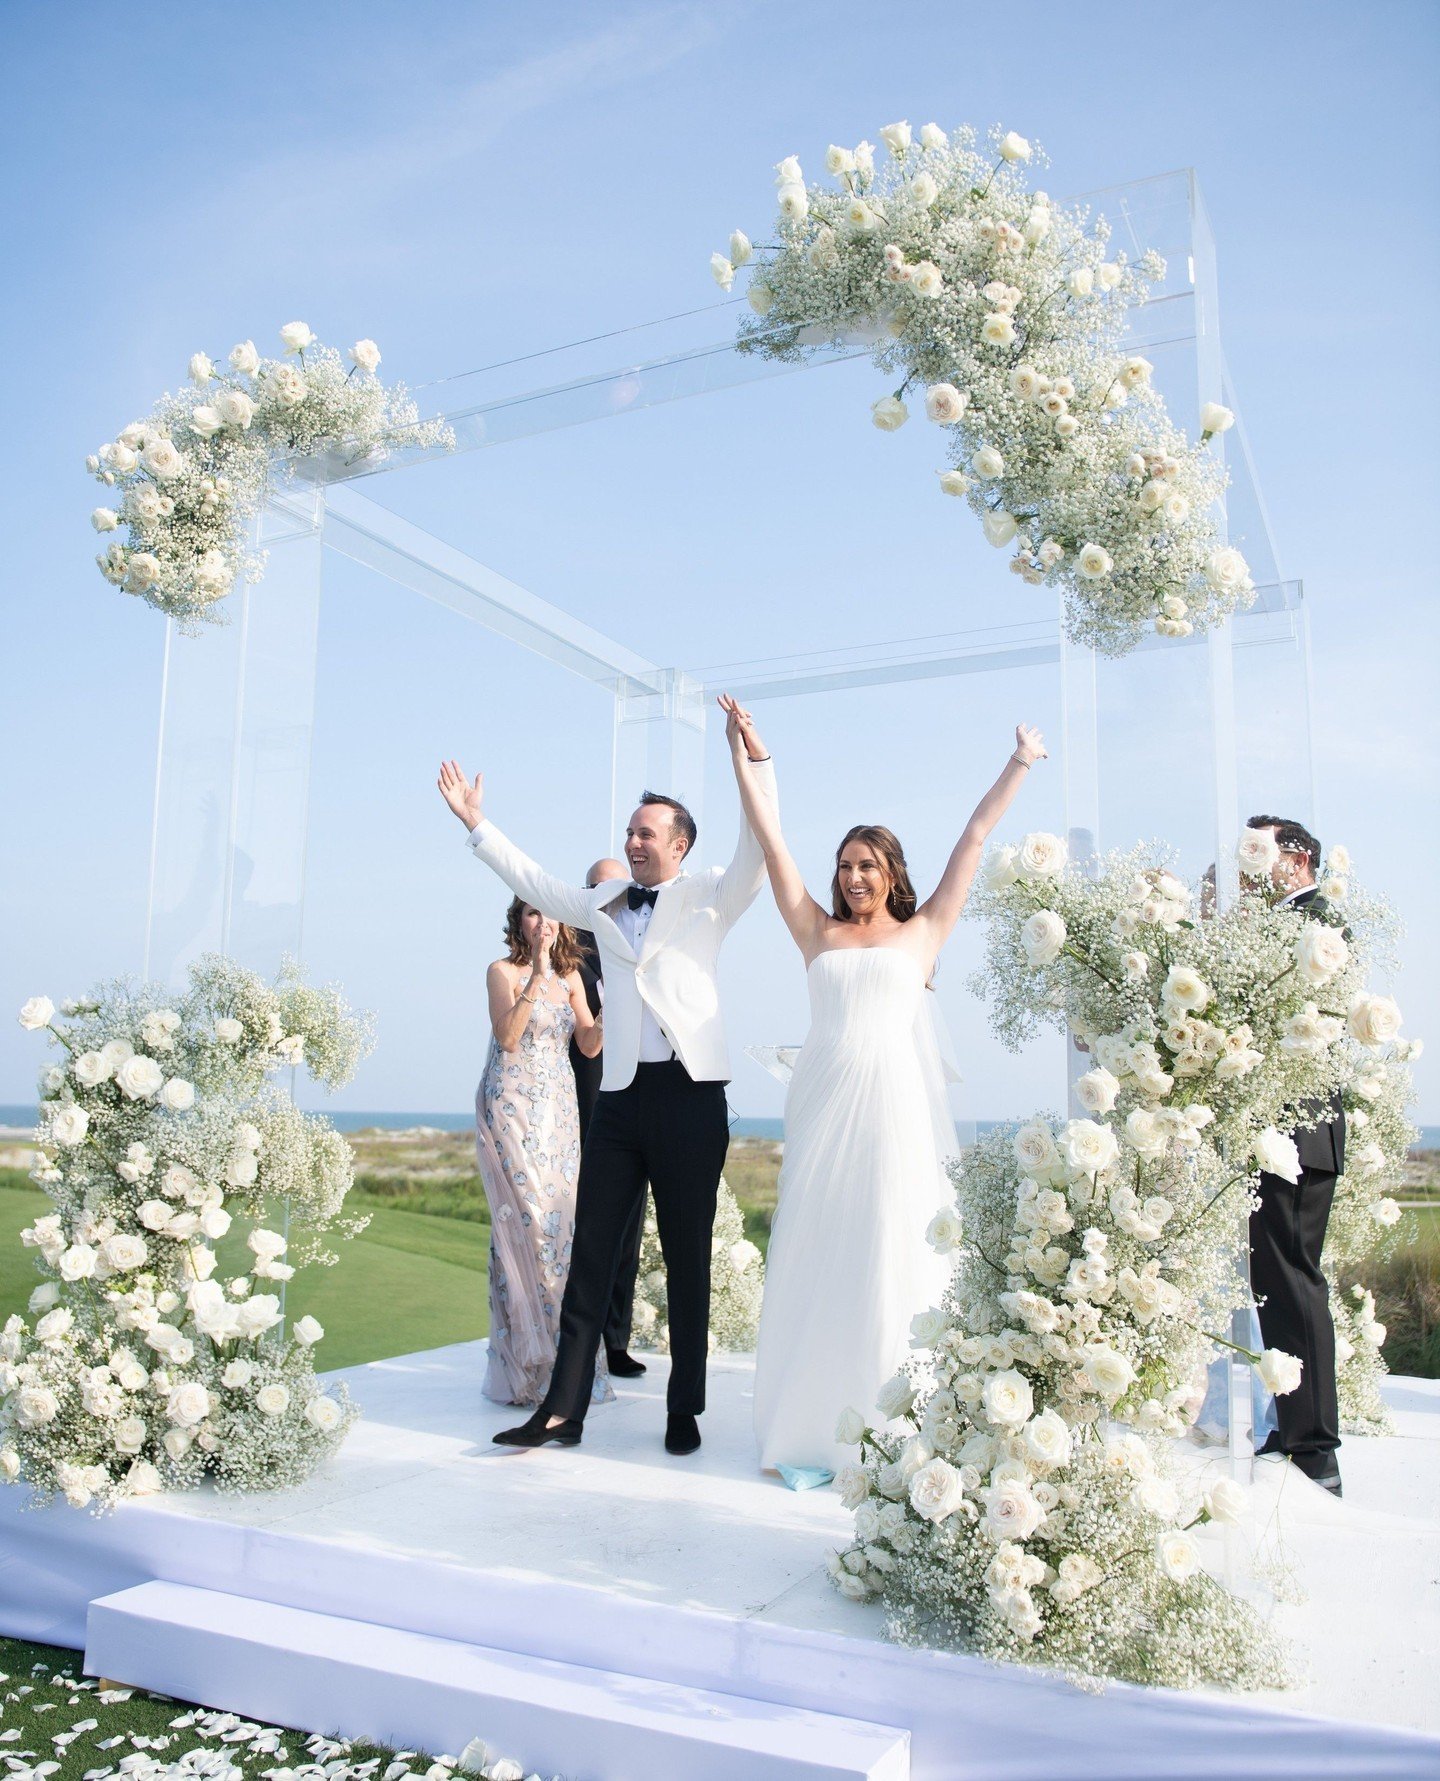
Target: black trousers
[
  {"x": 671, "y": 1131},
  {"x": 621, "y": 1314},
  {"x": 1287, "y": 1233}
]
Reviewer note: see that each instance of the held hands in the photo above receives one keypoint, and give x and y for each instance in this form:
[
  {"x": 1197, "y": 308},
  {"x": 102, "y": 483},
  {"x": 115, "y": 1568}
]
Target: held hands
[
  {"x": 740, "y": 731},
  {"x": 1029, "y": 746},
  {"x": 464, "y": 799}
]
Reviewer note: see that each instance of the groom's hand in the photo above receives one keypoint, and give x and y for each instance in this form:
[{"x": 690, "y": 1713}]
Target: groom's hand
[
  {"x": 464, "y": 799},
  {"x": 740, "y": 731}
]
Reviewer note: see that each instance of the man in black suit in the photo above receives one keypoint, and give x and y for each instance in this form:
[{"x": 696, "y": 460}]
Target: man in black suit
[
  {"x": 588, "y": 1070},
  {"x": 1287, "y": 1231}
]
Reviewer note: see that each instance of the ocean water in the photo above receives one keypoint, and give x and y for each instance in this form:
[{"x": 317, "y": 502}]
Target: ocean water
[{"x": 740, "y": 1127}]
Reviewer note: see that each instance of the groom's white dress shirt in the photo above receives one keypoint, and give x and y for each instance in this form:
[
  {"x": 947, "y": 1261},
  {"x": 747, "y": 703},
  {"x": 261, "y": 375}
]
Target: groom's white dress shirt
[{"x": 661, "y": 997}]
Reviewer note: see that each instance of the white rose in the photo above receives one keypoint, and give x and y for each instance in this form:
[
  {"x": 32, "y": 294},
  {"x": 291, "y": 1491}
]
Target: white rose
[
  {"x": 1147, "y": 1133},
  {"x": 936, "y": 1490},
  {"x": 188, "y": 1405},
  {"x": 999, "y": 869},
  {"x": 1094, "y": 562},
  {"x": 1279, "y": 1372},
  {"x": 1034, "y": 1147},
  {"x": 1184, "y": 988},
  {"x": 365, "y": 354},
  {"x": 1042, "y": 937},
  {"x": 296, "y": 336},
  {"x": 1041, "y": 855},
  {"x": 1081, "y": 281},
  {"x": 1136, "y": 966},
  {"x": 787, "y": 172},
  {"x": 324, "y": 1414},
  {"x": 244, "y": 358},
  {"x": 953, "y": 482},
  {"x": 1047, "y": 1439},
  {"x": 998, "y": 329},
  {"x": 215, "y": 1221},
  {"x": 1256, "y": 853},
  {"x": 1374, "y": 1020},
  {"x": 1276, "y": 1154},
  {"x": 896, "y": 137},
  {"x": 1096, "y": 1091},
  {"x": 1215, "y": 418},
  {"x": 119, "y": 458},
  {"x": 104, "y": 519},
  {"x": 888, "y": 413},
  {"x": 91, "y": 1068},
  {"x": 289, "y": 386},
  {"x": 237, "y": 1374},
  {"x": 1011, "y": 1512},
  {"x": 1007, "y": 1398},
  {"x": 1087, "y": 1147},
  {"x": 895, "y": 1396},
  {"x": 933, "y": 137},
  {"x": 241, "y": 1171},
  {"x": 839, "y": 160},
  {"x": 924, "y": 190},
  {"x": 235, "y": 408},
  {"x": 205, "y": 420},
  {"x": 177, "y": 1442},
  {"x": 266, "y": 1244},
  {"x": 1320, "y": 951},
  {"x": 307, "y": 1330},
  {"x": 35, "y": 1406},
  {"x": 260, "y": 1312},
  {"x": 1227, "y": 571},
  {"x": 36, "y": 1013},
  {"x": 1225, "y": 1502},
  {"x": 78, "y": 1262},
  {"x": 740, "y": 249},
  {"x": 999, "y": 527},
  {"x": 1014, "y": 147},
  {"x": 162, "y": 459},
  {"x": 1176, "y": 1554},
  {"x": 143, "y": 1479},
  {"x": 926, "y": 279},
  {"x": 794, "y": 202},
  {"x": 944, "y": 404},
  {"x": 944, "y": 1231},
  {"x": 139, "y": 1077},
  {"x": 272, "y": 1400},
  {"x": 853, "y": 1486},
  {"x": 129, "y": 1434},
  {"x": 1108, "y": 1371},
  {"x": 1135, "y": 372},
  {"x": 177, "y": 1096},
  {"x": 69, "y": 1126},
  {"x": 849, "y": 1427},
  {"x": 722, "y": 271},
  {"x": 124, "y": 1252},
  {"x": 759, "y": 297},
  {"x": 987, "y": 463},
  {"x": 1386, "y": 1212},
  {"x": 55, "y": 1324},
  {"x": 926, "y": 1328}
]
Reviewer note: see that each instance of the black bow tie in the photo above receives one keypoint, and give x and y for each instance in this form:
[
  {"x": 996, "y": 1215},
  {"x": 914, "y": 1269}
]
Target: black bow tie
[{"x": 638, "y": 895}]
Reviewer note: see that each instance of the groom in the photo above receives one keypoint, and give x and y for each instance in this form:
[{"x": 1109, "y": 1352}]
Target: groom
[{"x": 660, "y": 1114}]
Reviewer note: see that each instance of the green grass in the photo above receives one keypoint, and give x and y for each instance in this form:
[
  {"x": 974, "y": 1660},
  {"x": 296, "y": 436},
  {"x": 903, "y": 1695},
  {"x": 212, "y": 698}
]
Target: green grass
[{"x": 43, "y": 1692}]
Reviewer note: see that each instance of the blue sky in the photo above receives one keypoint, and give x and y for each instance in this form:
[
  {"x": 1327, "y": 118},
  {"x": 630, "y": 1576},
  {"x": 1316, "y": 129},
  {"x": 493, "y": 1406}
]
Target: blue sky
[{"x": 467, "y": 183}]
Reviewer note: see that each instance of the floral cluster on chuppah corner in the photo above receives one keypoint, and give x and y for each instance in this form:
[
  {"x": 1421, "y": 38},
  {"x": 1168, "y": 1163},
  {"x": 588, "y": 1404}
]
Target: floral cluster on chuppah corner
[
  {"x": 1006, "y": 313},
  {"x": 737, "y": 1282},
  {"x": 156, "y": 1355},
  {"x": 189, "y": 480},
  {"x": 1016, "y": 1495}
]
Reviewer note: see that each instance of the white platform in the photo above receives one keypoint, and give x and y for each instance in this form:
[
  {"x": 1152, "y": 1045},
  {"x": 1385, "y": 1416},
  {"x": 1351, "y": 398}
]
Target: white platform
[{"x": 703, "y": 1575}]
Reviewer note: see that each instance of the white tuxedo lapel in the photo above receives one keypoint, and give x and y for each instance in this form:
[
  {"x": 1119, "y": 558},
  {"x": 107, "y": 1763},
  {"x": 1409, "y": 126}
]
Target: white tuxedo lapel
[{"x": 667, "y": 910}]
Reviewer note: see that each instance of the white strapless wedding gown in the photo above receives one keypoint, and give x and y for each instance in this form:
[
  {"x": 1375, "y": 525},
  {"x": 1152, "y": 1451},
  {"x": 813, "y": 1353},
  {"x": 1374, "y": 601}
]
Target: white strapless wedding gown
[{"x": 867, "y": 1129}]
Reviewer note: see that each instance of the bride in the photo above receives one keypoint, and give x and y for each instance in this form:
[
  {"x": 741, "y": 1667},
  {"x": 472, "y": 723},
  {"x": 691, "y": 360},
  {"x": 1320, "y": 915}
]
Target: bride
[{"x": 867, "y": 1126}]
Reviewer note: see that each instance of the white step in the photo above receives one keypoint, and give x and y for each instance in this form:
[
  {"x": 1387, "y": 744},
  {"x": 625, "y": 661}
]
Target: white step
[{"x": 351, "y": 1678}]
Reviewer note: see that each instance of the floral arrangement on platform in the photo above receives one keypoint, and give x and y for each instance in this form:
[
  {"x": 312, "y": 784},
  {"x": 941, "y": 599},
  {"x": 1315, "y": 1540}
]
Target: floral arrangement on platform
[
  {"x": 1016, "y": 1495},
  {"x": 1016, "y": 1500},
  {"x": 737, "y": 1282},
  {"x": 189, "y": 480},
  {"x": 157, "y": 1354},
  {"x": 1228, "y": 1021},
  {"x": 1005, "y": 313}
]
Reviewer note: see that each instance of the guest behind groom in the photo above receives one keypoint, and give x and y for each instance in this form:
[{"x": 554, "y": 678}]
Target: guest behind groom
[
  {"x": 1287, "y": 1231},
  {"x": 622, "y": 1364}
]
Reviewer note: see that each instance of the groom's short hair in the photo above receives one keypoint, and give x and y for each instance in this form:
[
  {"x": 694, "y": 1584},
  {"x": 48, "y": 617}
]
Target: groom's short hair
[{"x": 682, "y": 823}]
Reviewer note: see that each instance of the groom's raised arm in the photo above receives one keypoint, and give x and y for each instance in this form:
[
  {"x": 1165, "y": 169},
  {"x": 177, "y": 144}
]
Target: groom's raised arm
[
  {"x": 550, "y": 895},
  {"x": 741, "y": 880}
]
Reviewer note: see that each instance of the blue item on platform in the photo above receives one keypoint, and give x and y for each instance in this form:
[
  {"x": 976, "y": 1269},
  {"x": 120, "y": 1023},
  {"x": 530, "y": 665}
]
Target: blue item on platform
[
  {"x": 1211, "y": 1419},
  {"x": 805, "y": 1477}
]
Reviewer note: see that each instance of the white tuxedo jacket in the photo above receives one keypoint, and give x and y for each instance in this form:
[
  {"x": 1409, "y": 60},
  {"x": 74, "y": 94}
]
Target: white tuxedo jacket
[{"x": 674, "y": 972}]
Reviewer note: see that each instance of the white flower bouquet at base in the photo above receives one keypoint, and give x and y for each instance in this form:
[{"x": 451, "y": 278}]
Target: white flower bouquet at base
[
  {"x": 737, "y": 1281},
  {"x": 186, "y": 1190}
]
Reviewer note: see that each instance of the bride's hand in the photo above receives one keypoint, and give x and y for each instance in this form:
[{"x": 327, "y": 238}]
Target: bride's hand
[
  {"x": 1029, "y": 745},
  {"x": 740, "y": 731}
]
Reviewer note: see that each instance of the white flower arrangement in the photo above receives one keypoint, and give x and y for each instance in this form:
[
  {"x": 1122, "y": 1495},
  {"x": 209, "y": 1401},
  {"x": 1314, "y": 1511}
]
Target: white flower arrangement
[
  {"x": 157, "y": 1354},
  {"x": 1007, "y": 312},
  {"x": 189, "y": 480},
  {"x": 1217, "y": 1028},
  {"x": 1025, "y": 1507},
  {"x": 737, "y": 1282}
]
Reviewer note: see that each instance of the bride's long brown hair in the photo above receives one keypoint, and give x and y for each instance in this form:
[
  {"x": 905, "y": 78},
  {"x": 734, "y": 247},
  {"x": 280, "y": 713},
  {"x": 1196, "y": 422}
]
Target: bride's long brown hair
[
  {"x": 900, "y": 899},
  {"x": 564, "y": 954}
]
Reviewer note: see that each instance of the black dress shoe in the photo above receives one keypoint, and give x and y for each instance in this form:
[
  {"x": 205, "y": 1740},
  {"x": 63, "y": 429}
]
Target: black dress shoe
[
  {"x": 536, "y": 1433},
  {"x": 682, "y": 1434},
  {"x": 1321, "y": 1469},
  {"x": 622, "y": 1364}
]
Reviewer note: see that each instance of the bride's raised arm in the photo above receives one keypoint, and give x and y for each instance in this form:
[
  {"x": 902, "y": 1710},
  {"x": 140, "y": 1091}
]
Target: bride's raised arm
[
  {"x": 941, "y": 911},
  {"x": 801, "y": 913}
]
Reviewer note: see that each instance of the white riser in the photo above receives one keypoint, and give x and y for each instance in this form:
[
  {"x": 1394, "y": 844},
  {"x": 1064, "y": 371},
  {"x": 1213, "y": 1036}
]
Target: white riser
[{"x": 318, "y": 1672}]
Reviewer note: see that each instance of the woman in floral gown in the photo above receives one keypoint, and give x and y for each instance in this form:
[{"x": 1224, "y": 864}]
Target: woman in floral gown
[{"x": 527, "y": 1143}]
